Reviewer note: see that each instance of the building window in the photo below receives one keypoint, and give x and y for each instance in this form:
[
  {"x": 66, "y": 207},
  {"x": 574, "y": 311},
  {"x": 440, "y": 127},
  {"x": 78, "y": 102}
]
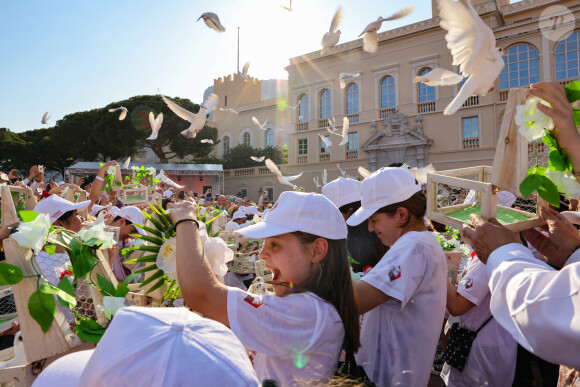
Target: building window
[
  {"x": 567, "y": 52},
  {"x": 470, "y": 132},
  {"x": 387, "y": 92},
  {"x": 302, "y": 147},
  {"x": 303, "y": 108},
  {"x": 323, "y": 147},
  {"x": 226, "y": 142},
  {"x": 426, "y": 93},
  {"x": 270, "y": 193},
  {"x": 247, "y": 140},
  {"x": 352, "y": 99},
  {"x": 522, "y": 67},
  {"x": 325, "y": 104},
  {"x": 352, "y": 141},
  {"x": 269, "y": 138}
]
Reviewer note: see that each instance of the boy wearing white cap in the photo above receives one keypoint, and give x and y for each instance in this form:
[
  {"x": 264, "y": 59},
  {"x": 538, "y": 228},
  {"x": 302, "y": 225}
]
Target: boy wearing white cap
[
  {"x": 238, "y": 219},
  {"x": 298, "y": 333},
  {"x": 403, "y": 296}
]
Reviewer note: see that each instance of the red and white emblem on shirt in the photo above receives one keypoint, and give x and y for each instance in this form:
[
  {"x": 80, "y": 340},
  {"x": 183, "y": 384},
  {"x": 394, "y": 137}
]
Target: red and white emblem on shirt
[
  {"x": 255, "y": 302},
  {"x": 468, "y": 283},
  {"x": 394, "y": 272}
]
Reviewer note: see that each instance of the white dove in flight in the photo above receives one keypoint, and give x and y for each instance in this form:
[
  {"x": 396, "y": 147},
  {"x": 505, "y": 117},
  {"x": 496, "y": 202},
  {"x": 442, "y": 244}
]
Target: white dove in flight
[
  {"x": 363, "y": 172},
  {"x": 45, "y": 118},
  {"x": 229, "y": 110},
  {"x": 164, "y": 179},
  {"x": 245, "y": 69},
  {"x": 207, "y": 141},
  {"x": 324, "y": 177},
  {"x": 281, "y": 179},
  {"x": 332, "y": 123},
  {"x": 280, "y": 130},
  {"x": 344, "y": 135},
  {"x": 439, "y": 77},
  {"x": 473, "y": 47},
  {"x": 331, "y": 38},
  {"x": 212, "y": 21},
  {"x": 420, "y": 174},
  {"x": 260, "y": 126},
  {"x": 155, "y": 125},
  {"x": 123, "y": 112},
  {"x": 197, "y": 120},
  {"x": 126, "y": 163},
  {"x": 343, "y": 173},
  {"x": 343, "y": 76},
  {"x": 293, "y": 107},
  {"x": 258, "y": 159},
  {"x": 289, "y": 9},
  {"x": 371, "y": 36},
  {"x": 327, "y": 142},
  {"x": 316, "y": 181}
]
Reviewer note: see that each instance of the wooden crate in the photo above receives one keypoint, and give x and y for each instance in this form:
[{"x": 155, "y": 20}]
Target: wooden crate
[
  {"x": 81, "y": 196},
  {"x": 133, "y": 194},
  {"x": 9, "y": 217},
  {"x": 231, "y": 238}
]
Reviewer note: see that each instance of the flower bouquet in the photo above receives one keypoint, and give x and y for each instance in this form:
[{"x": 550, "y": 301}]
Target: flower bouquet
[{"x": 456, "y": 252}]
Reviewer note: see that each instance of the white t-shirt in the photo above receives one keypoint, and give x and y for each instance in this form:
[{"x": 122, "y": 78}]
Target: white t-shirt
[
  {"x": 492, "y": 359},
  {"x": 296, "y": 337},
  {"x": 399, "y": 337}
]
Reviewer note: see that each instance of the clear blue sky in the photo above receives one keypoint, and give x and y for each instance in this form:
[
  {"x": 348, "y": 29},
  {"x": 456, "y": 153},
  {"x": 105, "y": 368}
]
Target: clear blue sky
[{"x": 67, "y": 56}]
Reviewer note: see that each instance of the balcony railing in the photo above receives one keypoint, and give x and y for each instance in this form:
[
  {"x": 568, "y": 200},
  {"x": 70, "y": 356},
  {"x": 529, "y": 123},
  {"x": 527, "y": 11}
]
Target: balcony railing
[
  {"x": 383, "y": 113},
  {"x": 301, "y": 126},
  {"x": 471, "y": 101},
  {"x": 353, "y": 118},
  {"x": 302, "y": 159},
  {"x": 426, "y": 107},
  {"x": 351, "y": 154},
  {"x": 564, "y": 82},
  {"x": 323, "y": 122},
  {"x": 244, "y": 172},
  {"x": 503, "y": 95},
  {"x": 324, "y": 157},
  {"x": 263, "y": 171},
  {"x": 471, "y": 143},
  {"x": 227, "y": 173}
]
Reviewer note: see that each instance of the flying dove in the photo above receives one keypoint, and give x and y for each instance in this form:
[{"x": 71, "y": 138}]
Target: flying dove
[
  {"x": 197, "y": 120},
  {"x": 343, "y": 173},
  {"x": 371, "y": 37},
  {"x": 332, "y": 123},
  {"x": 326, "y": 141},
  {"x": 164, "y": 179},
  {"x": 212, "y": 21},
  {"x": 229, "y": 110},
  {"x": 123, "y": 112},
  {"x": 439, "y": 77},
  {"x": 281, "y": 179},
  {"x": 258, "y": 159},
  {"x": 473, "y": 47},
  {"x": 316, "y": 181},
  {"x": 244, "y": 73},
  {"x": 331, "y": 38},
  {"x": 344, "y": 135},
  {"x": 45, "y": 118},
  {"x": 324, "y": 177},
  {"x": 127, "y": 162},
  {"x": 420, "y": 174},
  {"x": 293, "y": 107},
  {"x": 207, "y": 141},
  {"x": 155, "y": 125},
  {"x": 364, "y": 172},
  {"x": 343, "y": 76},
  {"x": 260, "y": 126}
]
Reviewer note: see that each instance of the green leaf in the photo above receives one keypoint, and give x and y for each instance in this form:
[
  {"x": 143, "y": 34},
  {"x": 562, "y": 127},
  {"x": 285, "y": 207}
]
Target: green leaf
[
  {"x": 555, "y": 161},
  {"x": 89, "y": 330},
  {"x": 353, "y": 261},
  {"x": 143, "y": 259},
  {"x": 146, "y": 269},
  {"x": 118, "y": 183},
  {"x": 159, "y": 283},
  {"x": 155, "y": 241},
  {"x": 573, "y": 91},
  {"x": 576, "y": 116},
  {"x": 28, "y": 216},
  {"x": 49, "y": 288},
  {"x": 549, "y": 140},
  {"x": 83, "y": 260},
  {"x": 530, "y": 184},
  {"x": 151, "y": 249},
  {"x": 156, "y": 275},
  {"x": 50, "y": 249},
  {"x": 130, "y": 278},
  {"x": 105, "y": 286},
  {"x": 168, "y": 291},
  {"x": 41, "y": 307},
  {"x": 9, "y": 274},
  {"x": 150, "y": 230},
  {"x": 155, "y": 222},
  {"x": 537, "y": 171},
  {"x": 122, "y": 290},
  {"x": 67, "y": 287},
  {"x": 549, "y": 192}
]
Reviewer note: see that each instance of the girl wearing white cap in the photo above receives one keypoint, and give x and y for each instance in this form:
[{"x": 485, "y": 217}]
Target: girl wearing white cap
[
  {"x": 298, "y": 333},
  {"x": 403, "y": 296}
]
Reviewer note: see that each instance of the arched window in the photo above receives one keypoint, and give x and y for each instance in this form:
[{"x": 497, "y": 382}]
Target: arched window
[
  {"x": 269, "y": 138},
  {"x": 567, "y": 52},
  {"x": 226, "y": 142},
  {"x": 352, "y": 99},
  {"x": 325, "y": 104},
  {"x": 387, "y": 92},
  {"x": 426, "y": 93},
  {"x": 247, "y": 139},
  {"x": 303, "y": 108},
  {"x": 522, "y": 67}
]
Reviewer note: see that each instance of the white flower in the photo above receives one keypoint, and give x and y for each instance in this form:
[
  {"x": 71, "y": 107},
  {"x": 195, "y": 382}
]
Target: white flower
[
  {"x": 566, "y": 183},
  {"x": 453, "y": 243},
  {"x": 33, "y": 235},
  {"x": 465, "y": 251},
  {"x": 152, "y": 171},
  {"x": 111, "y": 305},
  {"x": 112, "y": 170},
  {"x": 531, "y": 121},
  {"x": 97, "y": 236},
  {"x": 167, "y": 258},
  {"x": 135, "y": 168},
  {"x": 216, "y": 251}
]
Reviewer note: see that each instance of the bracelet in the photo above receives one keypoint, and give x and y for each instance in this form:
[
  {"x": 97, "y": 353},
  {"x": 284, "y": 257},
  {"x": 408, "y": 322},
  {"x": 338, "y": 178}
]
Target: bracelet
[
  {"x": 187, "y": 220},
  {"x": 99, "y": 178}
]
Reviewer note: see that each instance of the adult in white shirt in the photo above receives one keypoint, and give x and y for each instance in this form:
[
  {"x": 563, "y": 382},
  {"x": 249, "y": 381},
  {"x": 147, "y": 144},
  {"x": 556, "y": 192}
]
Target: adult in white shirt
[
  {"x": 403, "y": 296},
  {"x": 298, "y": 333}
]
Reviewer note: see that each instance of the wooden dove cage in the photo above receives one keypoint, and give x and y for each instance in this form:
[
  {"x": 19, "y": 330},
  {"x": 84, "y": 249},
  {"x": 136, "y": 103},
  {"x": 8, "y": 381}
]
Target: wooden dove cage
[
  {"x": 77, "y": 196},
  {"x": 243, "y": 264},
  {"x": 262, "y": 271},
  {"x": 12, "y": 201},
  {"x": 231, "y": 238},
  {"x": 133, "y": 194},
  {"x": 455, "y": 194}
]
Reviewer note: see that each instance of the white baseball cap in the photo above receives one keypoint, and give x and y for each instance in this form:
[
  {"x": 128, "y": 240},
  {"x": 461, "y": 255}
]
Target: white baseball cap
[
  {"x": 298, "y": 211},
  {"x": 55, "y": 206},
  {"x": 343, "y": 191},
  {"x": 238, "y": 215},
  {"x": 381, "y": 188},
  {"x": 156, "y": 347},
  {"x": 251, "y": 210},
  {"x": 97, "y": 208},
  {"x": 134, "y": 215},
  {"x": 168, "y": 194},
  {"x": 114, "y": 211}
]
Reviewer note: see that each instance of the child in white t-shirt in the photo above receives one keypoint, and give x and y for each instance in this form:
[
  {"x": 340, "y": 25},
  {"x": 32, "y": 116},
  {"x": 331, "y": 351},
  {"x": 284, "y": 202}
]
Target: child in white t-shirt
[
  {"x": 297, "y": 334},
  {"x": 403, "y": 296}
]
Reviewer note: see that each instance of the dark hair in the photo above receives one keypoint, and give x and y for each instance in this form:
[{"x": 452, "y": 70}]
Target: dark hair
[
  {"x": 87, "y": 180},
  {"x": 332, "y": 282},
  {"x": 127, "y": 221},
  {"x": 354, "y": 205},
  {"x": 364, "y": 246},
  {"x": 416, "y": 205},
  {"x": 65, "y": 217}
]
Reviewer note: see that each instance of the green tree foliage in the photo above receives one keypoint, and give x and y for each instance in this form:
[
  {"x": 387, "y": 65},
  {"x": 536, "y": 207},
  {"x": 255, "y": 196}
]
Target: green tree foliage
[{"x": 239, "y": 156}]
